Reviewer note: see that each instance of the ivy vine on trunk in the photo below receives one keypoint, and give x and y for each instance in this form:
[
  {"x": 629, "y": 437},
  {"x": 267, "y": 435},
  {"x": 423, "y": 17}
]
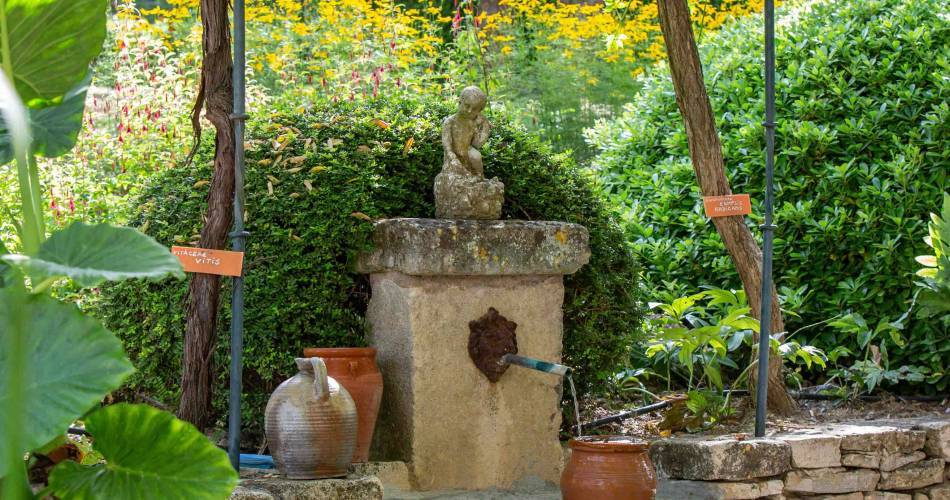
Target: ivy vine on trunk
[{"x": 216, "y": 94}]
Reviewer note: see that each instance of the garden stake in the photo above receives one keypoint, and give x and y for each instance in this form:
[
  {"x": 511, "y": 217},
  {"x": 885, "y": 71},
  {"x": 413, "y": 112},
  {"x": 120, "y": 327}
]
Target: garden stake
[
  {"x": 765, "y": 316},
  {"x": 238, "y": 239}
]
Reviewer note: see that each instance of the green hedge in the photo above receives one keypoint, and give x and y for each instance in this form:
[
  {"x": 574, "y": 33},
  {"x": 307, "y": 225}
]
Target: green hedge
[
  {"x": 862, "y": 157},
  {"x": 299, "y": 289}
]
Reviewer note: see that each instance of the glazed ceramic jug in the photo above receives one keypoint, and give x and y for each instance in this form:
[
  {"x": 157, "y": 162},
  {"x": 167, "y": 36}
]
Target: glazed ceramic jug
[
  {"x": 355, "y": 369},
  {"x": 310, "y": 423}
]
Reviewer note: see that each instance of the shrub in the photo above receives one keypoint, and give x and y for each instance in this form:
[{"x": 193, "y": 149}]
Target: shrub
[
  {"x": 861, "y": 158},
  {"x": 312, "y": 178}
]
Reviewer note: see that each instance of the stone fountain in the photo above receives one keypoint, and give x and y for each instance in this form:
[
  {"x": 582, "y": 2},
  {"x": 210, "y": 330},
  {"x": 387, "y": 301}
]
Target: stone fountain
[{"x": 451, "y": 294}]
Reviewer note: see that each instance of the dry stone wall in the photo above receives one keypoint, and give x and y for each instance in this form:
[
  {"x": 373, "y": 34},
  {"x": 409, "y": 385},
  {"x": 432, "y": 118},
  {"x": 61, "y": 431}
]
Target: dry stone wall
[{"x": 906, "y": 459}]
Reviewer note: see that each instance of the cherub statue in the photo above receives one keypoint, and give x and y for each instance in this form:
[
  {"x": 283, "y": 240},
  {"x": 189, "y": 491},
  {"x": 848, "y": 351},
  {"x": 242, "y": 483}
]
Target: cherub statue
[
  {"x": 464, "y": 132},
  {"x": 461, "y": 190}
]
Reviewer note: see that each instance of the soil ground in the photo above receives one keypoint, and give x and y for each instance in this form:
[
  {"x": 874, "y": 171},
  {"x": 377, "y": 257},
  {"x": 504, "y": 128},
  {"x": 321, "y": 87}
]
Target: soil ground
[{"x": 651, "y": 426}]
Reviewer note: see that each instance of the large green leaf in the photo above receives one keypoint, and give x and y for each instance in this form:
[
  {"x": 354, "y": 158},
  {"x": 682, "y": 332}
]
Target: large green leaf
[
  {"x": 91, "y": 254},
  {"x": 72, "y": 363},
  {"x": 51, "y": 43},
  {"x": 54, "y": 128},
  {"x": 149, "y": 454}
]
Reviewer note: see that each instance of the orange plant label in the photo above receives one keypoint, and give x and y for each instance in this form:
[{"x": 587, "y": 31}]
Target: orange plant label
[
  {"x": 207, "y": 261},
  {"x": 724, "y": 206}
]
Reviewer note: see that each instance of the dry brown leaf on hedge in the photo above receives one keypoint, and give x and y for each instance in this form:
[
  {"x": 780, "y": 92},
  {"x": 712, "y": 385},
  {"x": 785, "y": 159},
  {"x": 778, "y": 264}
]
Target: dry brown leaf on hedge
[
  {"x": 273, "y": 179},
  {"x": 363, "y": 148},
  {"x": 265, "y": 162},
  {"x": 408, "y": 146},
  {"x": 270, "y": 188},
  {"x": 296, "y": 160},
  {"x": 361, "y": 215},
  {"x": 381, "y": 124},
  {"x": 332, "y": 143},
  {"x": 294, "y": 170},
  {"x": 308, "y": 185},
  {"x": 295, "y": 195},
  {"x": 317, "y": 169},
  {"x": 200, "y": 183}
]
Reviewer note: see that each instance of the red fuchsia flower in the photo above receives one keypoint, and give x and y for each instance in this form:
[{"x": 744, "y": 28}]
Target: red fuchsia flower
[
  {"x": 457, "y": 20},
  {"x": 53, "y": 206},
  {"x": 398, "y": 82},
  {"x": 323, "y": 81},
  {"x": 119, "y": 127},
  {"x": 163, "y": 129},
  {"x": 72, "y": 205},
  {"x": 392, "y": 45}
]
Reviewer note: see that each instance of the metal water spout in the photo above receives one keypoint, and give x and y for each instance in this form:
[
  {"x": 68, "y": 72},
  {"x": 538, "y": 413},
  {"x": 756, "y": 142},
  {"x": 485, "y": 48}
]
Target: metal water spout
[
  {"x": 547, "y": 367},
  {"x": 534, "y": 364}
]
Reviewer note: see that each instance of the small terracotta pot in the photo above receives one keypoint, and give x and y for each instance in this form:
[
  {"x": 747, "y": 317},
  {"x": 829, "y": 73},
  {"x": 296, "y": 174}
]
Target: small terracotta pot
[
  {"x": 355, "y": 369},
  {"x": 614, "y": 467}
]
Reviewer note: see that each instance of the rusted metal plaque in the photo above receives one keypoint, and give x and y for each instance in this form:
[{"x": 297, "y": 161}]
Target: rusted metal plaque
[{"x": 492, "y": 336}]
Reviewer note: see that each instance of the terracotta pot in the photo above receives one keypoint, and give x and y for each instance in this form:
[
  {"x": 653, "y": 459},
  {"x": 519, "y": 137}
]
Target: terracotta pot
[
  {"x": 608, "y": 467},
  {"x": 310, "y": 423},
  {"x": 355, "y": 369}
]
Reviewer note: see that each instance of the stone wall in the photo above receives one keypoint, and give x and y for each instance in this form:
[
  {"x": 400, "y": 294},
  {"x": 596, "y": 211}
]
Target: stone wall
[{"x": 883, "y": 460}]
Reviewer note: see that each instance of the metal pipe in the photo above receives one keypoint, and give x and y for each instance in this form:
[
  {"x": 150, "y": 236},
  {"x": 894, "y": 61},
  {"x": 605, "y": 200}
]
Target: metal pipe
[
  {"x": 765, "y": 315},
  {"x": 238, "y": 240},
  {"x": 620, "y": 417},
  {"x": 535, "y": 364}
]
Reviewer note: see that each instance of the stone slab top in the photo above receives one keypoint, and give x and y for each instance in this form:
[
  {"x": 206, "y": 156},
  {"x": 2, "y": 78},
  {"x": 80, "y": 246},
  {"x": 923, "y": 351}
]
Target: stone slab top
[{"x": 450, "y": 247}]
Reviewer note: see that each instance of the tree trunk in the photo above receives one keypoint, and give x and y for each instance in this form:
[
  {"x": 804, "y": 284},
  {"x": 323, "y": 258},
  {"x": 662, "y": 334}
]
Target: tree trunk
[
  {"x": 215, "y": 92},
  {"x": 706, "y": 154}
]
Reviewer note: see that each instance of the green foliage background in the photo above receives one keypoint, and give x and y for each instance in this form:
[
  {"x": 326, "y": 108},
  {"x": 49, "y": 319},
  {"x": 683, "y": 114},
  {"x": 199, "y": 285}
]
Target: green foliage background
[
  {"x": 298, "y": 289},
  {"x": 862, "y": 158}
]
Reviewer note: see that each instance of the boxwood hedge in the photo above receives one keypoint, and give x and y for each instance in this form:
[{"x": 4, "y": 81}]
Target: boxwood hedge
[
  {"x": 862, "y": 157},
  {"x": 314, "y": 178}
]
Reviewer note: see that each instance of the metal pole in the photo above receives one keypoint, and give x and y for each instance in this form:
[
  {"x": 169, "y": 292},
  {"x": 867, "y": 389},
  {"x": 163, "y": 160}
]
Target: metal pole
[
  {"x": 238, "y": 238},
  {"x": 767, "y": 228}
]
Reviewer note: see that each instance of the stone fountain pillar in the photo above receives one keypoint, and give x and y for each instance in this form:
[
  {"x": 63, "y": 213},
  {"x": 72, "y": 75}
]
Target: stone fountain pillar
[{"x": 440, "y": 414}]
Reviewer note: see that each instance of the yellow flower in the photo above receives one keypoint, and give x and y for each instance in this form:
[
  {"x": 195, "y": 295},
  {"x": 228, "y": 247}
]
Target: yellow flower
[
  {"x": 273, "y": 61},
  {"x": 301, "y": 29}
]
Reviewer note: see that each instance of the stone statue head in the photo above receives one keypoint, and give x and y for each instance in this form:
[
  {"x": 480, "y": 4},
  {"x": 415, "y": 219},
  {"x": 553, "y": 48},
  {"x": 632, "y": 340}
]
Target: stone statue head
[{"x": 472, "y": 101}]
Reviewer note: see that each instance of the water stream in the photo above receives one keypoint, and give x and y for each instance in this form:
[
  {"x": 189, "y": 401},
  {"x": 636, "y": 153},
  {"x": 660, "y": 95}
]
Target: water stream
[{"x": 577, "y": 410}]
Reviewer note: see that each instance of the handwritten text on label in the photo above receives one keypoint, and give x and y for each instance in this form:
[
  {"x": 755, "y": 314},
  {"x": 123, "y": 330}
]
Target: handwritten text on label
[
  {"x": 724, "y": 206},
  {"x": 204, "y": 260}
]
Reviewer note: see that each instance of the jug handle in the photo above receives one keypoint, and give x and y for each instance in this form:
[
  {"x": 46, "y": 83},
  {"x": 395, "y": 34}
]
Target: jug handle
[{"x": 321, "y": 386}]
